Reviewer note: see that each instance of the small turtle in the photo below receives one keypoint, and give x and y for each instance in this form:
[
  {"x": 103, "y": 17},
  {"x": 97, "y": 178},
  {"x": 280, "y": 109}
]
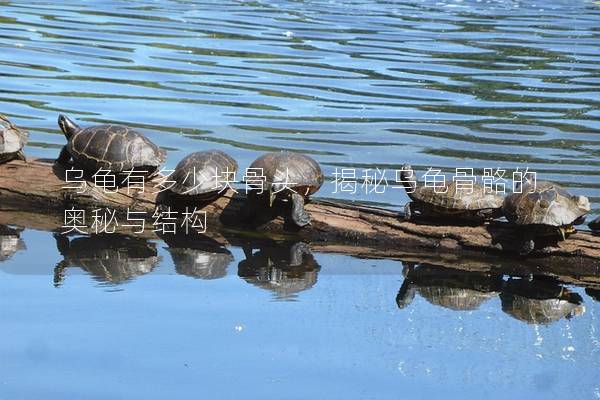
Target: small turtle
[
  {"x": 539, "y": 301},
  {"x": 203, "y": 174},
  {"x": 116, "y": 148},
  {"x": 450, "y": 201},
  {"x": 545, "y": 212},
  {"x": 287, "y": 175},
  {"x": 12, "y": 140}
]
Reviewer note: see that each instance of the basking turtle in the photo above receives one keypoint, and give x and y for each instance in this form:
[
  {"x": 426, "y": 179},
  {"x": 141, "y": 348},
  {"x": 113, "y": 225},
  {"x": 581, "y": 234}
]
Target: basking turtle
[
  {"x": 289, "y": 176},
  {"x": 451, "y": 201},
  {"x": 545, "y": 212},
  {"x": 12, "y": 140},
  {"x": 109, "y": 258},
  {"x": 116, "y": 148},
  {"x": 539, "y": 301},
  {"x": 203, "y": 175},
  {"x": 449, "y": 288},
  {"x": 284, "y": 269}
]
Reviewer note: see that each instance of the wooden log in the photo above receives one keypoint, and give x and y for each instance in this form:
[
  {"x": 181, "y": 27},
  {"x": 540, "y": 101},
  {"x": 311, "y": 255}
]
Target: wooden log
[
  {"x": 39, "y": 185},
  {"x": 567, "y": 270}
]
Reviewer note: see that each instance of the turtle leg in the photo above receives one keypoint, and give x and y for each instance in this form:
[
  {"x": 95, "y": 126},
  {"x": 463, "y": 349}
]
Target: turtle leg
[
  {"x": 64, "y": 157},
  {"x": 248, "y": 210},
  {"x": 297, "y": 252},
  {"x": 299, "y": 215},
  {"x": 21, "y": 155},
  {"x": 406, "y": 294},
  {"x": 59, "y": 273},
  {"x": 526, "y": 246},
  {"x": 408, "y": 212}
]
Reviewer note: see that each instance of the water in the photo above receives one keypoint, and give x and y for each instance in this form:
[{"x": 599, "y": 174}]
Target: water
[{"x": 481, "y": 84}]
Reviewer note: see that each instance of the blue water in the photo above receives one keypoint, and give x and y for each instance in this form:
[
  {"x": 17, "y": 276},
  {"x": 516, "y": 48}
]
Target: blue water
[
  {"x": 164, "y": 334},
  {"x": 436, "y": 83}
]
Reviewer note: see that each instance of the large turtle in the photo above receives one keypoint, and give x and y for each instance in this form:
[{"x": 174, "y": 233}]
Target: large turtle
[
  {"x": 285, "y": 175},
  {"x": 111, "y": 258},
  {"x": 452, "y": 201},
  {"x": 203, "y": 175},
  {"x": 284, "y": 269},
  {"x": 449, "y": 288},
  {"x": 539, "y": 301},
  {"x": 12, "y": 140},
  {"x": 544, "y": 212},
  {"x": 116, "y": 148}
]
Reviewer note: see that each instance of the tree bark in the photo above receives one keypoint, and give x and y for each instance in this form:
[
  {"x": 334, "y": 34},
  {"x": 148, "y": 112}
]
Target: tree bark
[{"x": 38, "y": 185}]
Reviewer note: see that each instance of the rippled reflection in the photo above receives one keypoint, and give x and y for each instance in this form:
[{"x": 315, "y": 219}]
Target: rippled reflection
[
  {"x": 198, "y": 256},
  {"x": 448, "y": 288},
  {"x": 10, "y": 242},
  {"x": 284, "y": 269},
  {"x": 535, "y": 300},
  {"x": 539, "y": 301},
  {"x": 496, "y": 84},
  {"x": 110, "y": 258}
]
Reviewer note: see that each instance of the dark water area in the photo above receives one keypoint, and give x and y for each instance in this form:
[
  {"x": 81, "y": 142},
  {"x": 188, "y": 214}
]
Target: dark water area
[{"x": 358, "y": 85}]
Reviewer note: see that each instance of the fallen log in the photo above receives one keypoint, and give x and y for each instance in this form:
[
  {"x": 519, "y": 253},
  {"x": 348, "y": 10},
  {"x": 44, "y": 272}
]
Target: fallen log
[{"x": 40, "y": 185}]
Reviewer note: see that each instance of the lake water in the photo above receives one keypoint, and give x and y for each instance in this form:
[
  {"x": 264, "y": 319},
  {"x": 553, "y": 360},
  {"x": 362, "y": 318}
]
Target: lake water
[{"x": 474, "y": 83}]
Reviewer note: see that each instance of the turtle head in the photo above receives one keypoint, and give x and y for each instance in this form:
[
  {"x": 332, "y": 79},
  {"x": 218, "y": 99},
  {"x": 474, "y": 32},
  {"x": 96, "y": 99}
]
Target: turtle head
[
  {"x": 408, "y": 178},
  {"x": 68, "y": 127},
  {"x": 5, "y": 121},
  {"x": 583, "y": 203}
]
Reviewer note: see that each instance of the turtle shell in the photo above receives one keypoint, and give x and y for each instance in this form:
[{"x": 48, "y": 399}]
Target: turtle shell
[
  {"x": 197, "y": 173},
  {"x": 455, "y": 197},
  {"x": 116, "y": 148},
  {"x": 292, "y": 170},
  {"x": 12, "y": 139},
  {"x": 546, "y": 203}
]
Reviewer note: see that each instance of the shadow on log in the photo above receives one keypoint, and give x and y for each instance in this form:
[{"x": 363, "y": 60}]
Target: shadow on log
[{"x": 38, "y": 185}]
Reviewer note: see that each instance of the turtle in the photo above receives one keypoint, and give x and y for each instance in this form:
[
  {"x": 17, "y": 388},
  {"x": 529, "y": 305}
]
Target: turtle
[
  {"x": 287, "y": 176},
  {"x": 12, "y": 140},
  {"x": 544, "y": 212},
  {"x": 539, "y": 301},
  {"x": 450, "y": 201},
  {"x": 112, "y": 258},
  {"x": 203, "y": 175},
  {"x": 116, "y": 148},
  {"x": 283, "y": 268},
  {"x": 449, "y": 288}
]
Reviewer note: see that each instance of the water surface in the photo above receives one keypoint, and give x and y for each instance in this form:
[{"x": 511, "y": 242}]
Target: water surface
[{"x": 462, "y": 83}]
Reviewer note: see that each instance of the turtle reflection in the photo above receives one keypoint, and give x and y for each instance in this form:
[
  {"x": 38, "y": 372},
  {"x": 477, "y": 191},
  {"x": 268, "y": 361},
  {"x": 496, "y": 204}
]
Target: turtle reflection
[
  {"x": 108, "y": 258},
  {"x": 198, "y": 256},
  {"x": 10, "y": 242},
  {"x": 284, "y": 269},
  {"x": 593, "y": 293},
  {"x": 449, "y": 288},
  {"x": 539, "y": 301}
]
